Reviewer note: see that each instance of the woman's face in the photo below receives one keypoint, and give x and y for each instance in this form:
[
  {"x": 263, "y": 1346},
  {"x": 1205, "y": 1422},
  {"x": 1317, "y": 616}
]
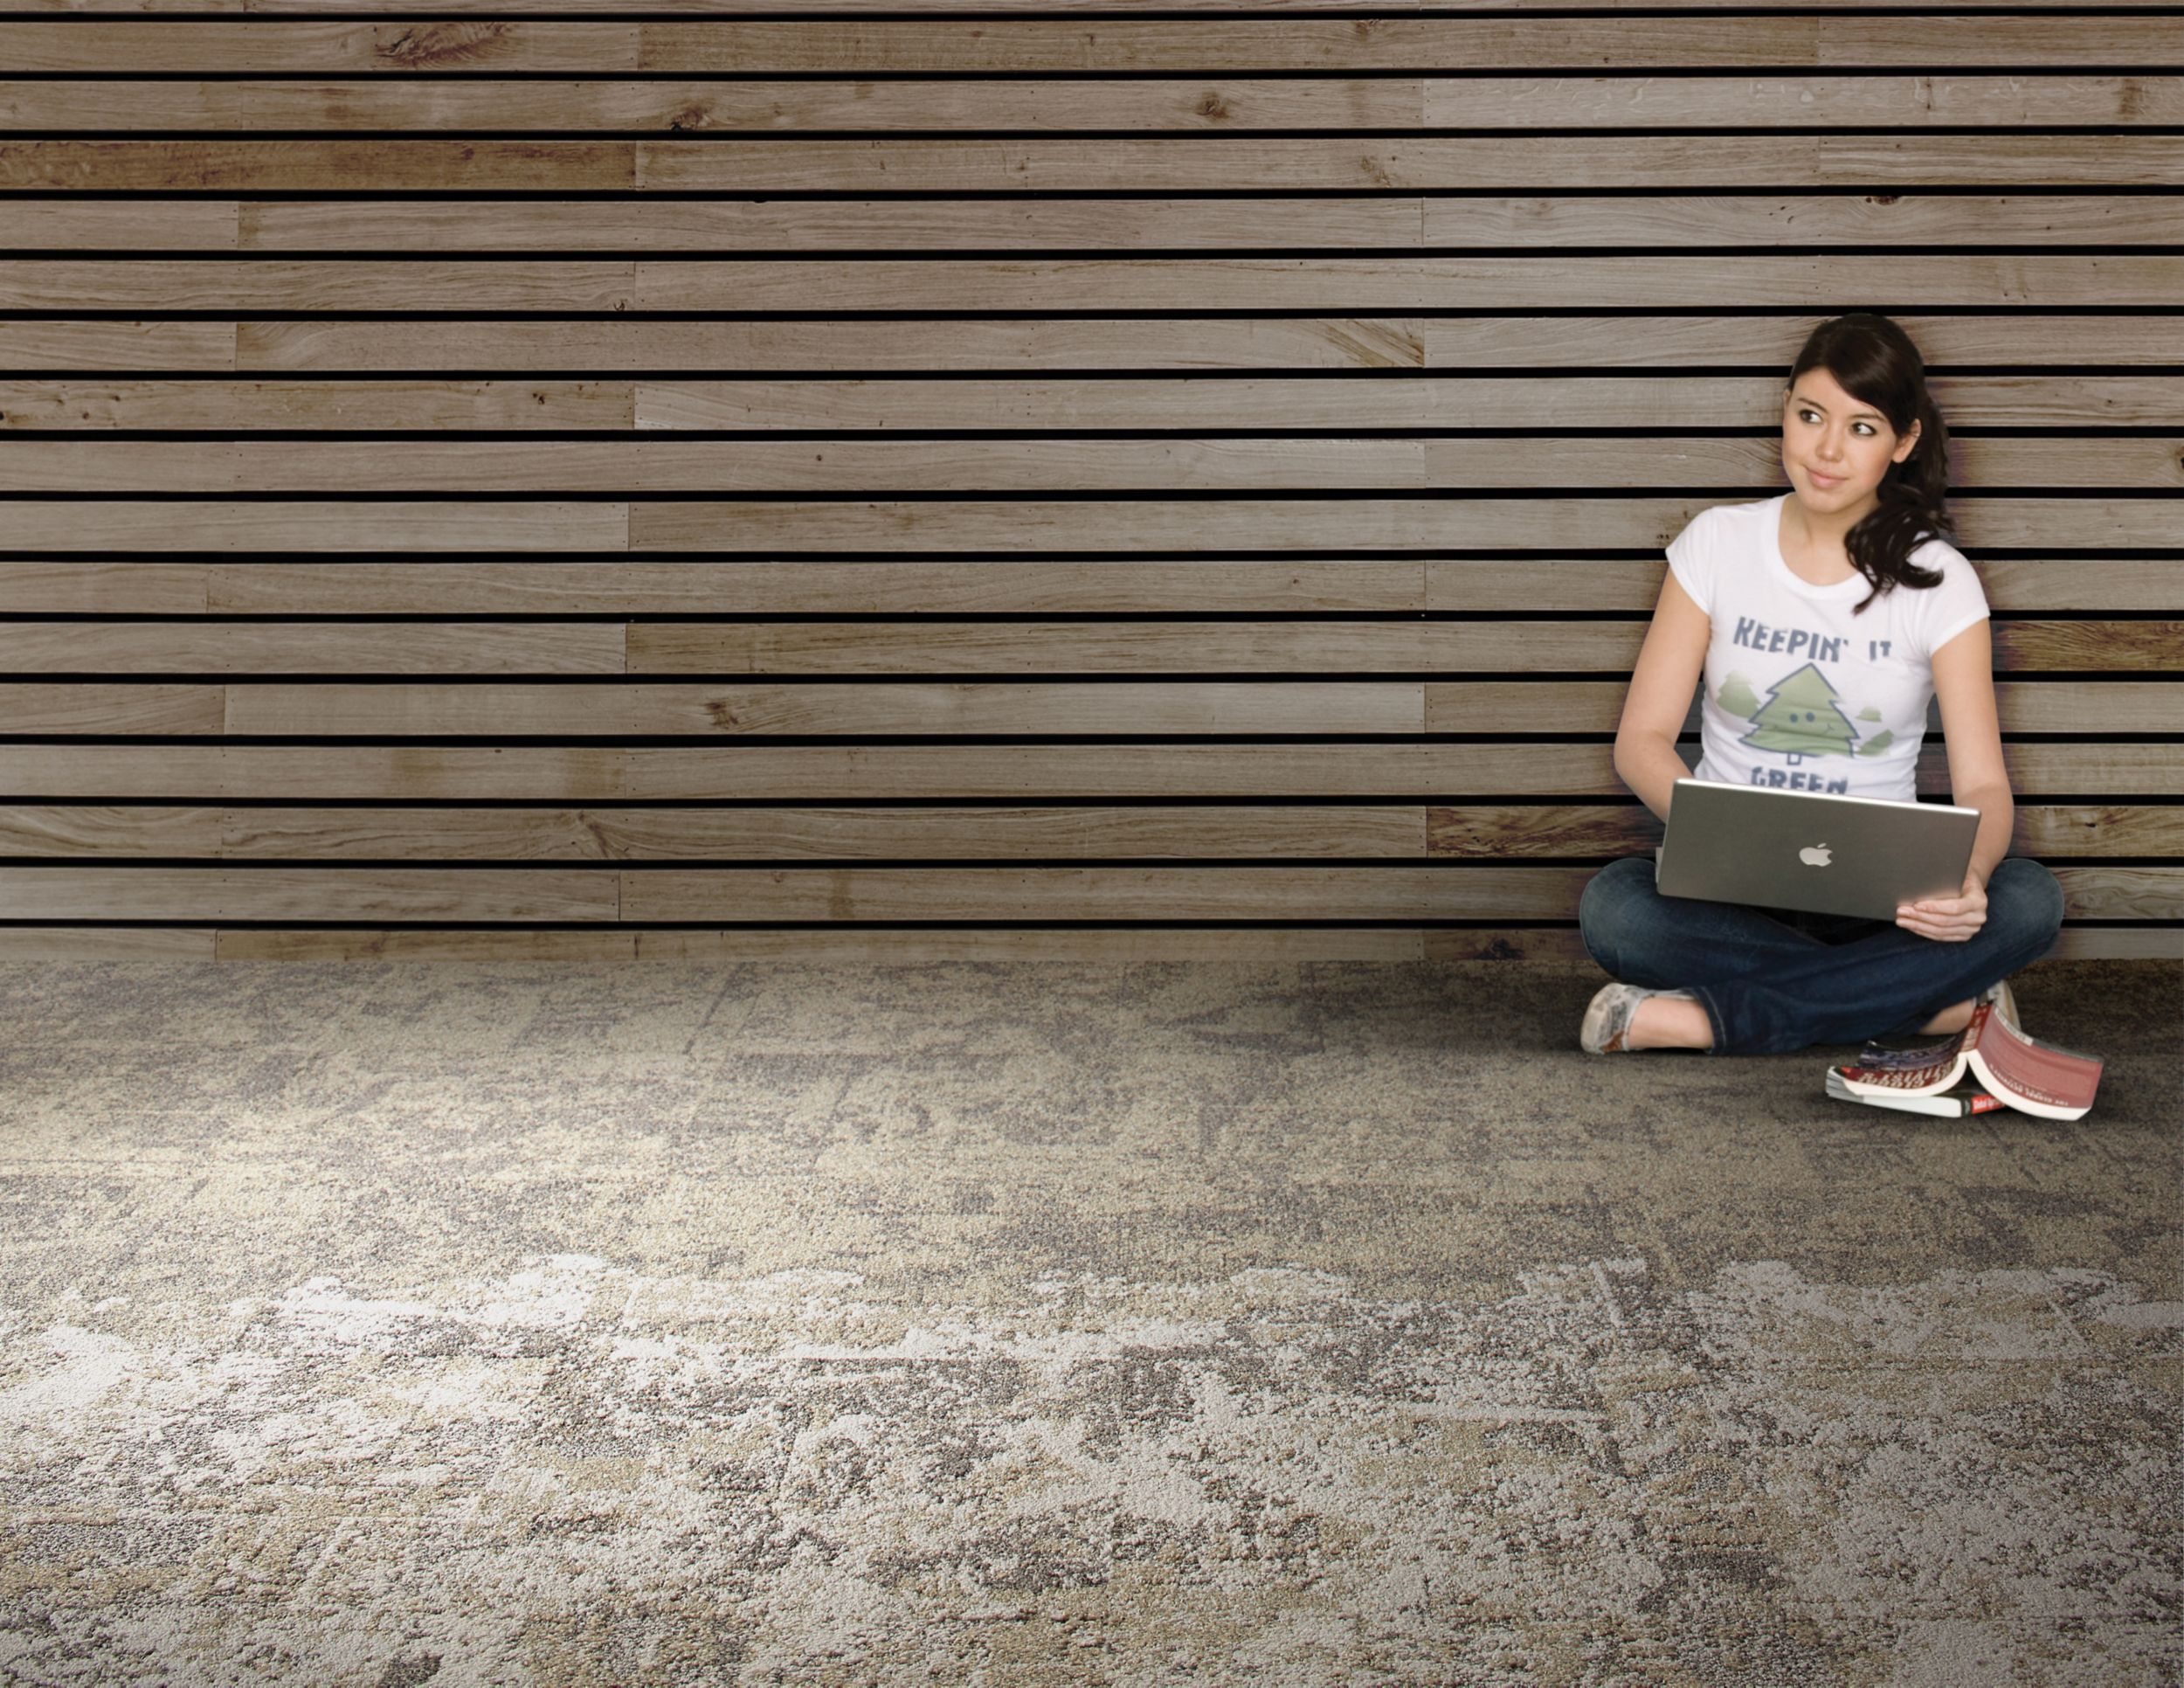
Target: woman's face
[{"x": 1836, "y": 448}]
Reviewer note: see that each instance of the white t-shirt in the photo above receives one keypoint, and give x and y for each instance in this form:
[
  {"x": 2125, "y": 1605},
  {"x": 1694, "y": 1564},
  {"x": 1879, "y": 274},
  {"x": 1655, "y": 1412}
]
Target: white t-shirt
[{"x": 1800, "y": 694}]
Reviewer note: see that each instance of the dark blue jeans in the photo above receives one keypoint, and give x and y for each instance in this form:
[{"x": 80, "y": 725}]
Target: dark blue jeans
[{"x": 1778, "y": 979}]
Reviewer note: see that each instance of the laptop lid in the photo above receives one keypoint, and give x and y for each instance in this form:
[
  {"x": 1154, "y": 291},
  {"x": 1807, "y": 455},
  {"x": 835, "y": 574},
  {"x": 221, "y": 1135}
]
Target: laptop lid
[{"x": 1811, "y": 850}]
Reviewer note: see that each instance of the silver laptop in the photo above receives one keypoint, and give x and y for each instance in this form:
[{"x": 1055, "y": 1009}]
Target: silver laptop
[{"x": 1827, "y": 855}]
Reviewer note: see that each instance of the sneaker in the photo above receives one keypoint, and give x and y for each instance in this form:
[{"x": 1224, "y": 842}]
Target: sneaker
[{"x": 1608, "y": 1017}]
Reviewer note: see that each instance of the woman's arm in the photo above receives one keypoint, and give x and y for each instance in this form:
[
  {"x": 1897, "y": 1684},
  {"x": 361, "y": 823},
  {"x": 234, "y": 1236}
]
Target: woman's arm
[
  {"x": 1660, "y": 697},
  {"x": 1964, "y": 682}
]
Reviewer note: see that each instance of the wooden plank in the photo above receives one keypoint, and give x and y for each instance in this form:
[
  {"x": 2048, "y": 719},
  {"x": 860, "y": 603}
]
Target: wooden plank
[
  {"x": 1056, "y": 404},
  {"x": 1053, "y": 403},
  {"x": 1022, "y": 647},
  {"x": 1184, "y": 282},
  {"x": 1038, "y": 772},
  {"x": 736, "y": 227},
  {"x": 263, "y": 893},
  {"x": 126, "y": 225},
  {"x": 2152, "y": 647},
  {"x": 2029, "y": 341},
  {"x": 583, "y": 708},
  {"x": 2109, "y": 893},
  {"x": 301, "y": 284},
  {"x": 1493, "y": 831},
  {"x": 682, "y": 465},
  {"x": 374, "y": 647},
  {"x": 1130, "y": 892},
  {"x": 2119, "y": 944},
  {"x": 1788, "y": 99},
  {"x": 665, "y": 106},
  {"x": 2043, "y": 830},
  {"x": 1879, "y": 221},
  {"x": 54, "y": 708},
  {"x": 1366, "y": 770},
  {"x": 272, "y": 944},
  {"x": 1134, "y": 893},
  {"x": 1036, "y": 648},
  {"x": 1243, "y": 524},
  {"x": 106, "y": 944},
  {"x": 1368, "y": 286},
  {"x": 194, "y": 773},
  {"x": 1770, "y": 41},
  {"x": 86, "y": 588},
  {"x": 741, "y": 226},
  {"x": 1078, "y": 945},
  {"x": 101, "y": 345},
  {"x": 854, "y": 463},
  {"x": 317, "y": 49},
  {"x": 853, "y": 947},
  {"x": 1412, "y": 164},
  {"x": 252, "y": 166},
  {"x": 616, "y": 586},
  {"x": 833, "y": 832},
  {"x": 2022, "y": 585},
  {"x": 1417, "y": 163},
  {"x": 76, "y": 406},
  {"x": 1225, "y": 103},
  {"x": 69, "y": 829},
  {"x": 1149, "y": 585},
  {"x": 327, "y": 525}
]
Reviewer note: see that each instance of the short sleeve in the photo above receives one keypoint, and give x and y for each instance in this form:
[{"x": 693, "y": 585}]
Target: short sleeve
[
  {"x": 1955, "y": 603},
  {"x": 1691, "y": 559}
]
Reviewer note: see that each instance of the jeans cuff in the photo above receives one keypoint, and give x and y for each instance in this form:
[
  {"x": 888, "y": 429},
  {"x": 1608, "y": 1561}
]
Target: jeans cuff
[{"x": 1713, "y": 1016}]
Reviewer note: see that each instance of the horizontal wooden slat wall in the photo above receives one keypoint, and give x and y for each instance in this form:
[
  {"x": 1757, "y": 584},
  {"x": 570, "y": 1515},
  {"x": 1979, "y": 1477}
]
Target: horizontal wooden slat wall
[{"x": 545, "y": 478}]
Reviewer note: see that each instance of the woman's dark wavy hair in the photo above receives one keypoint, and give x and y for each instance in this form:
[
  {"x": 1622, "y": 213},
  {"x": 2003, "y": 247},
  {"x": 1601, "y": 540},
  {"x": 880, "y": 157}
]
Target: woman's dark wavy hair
[{"x": 1874, "y": 361}]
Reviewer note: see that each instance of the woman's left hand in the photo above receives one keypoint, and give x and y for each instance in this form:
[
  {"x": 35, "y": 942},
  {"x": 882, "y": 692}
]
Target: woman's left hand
[{"x": 1949, "y": 919}]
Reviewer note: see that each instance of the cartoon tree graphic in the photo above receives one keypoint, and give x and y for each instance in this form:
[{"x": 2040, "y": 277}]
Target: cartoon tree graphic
[
  {"x": 1799, "y": 719},
  {"x": 1736, "y": 696}
]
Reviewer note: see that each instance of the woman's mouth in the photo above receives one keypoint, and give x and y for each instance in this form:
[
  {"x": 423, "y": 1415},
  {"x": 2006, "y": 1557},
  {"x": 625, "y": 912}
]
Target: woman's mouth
[{"x": 1823, "y": 480}]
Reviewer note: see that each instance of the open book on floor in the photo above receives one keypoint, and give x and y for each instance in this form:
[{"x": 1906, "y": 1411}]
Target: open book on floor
[{"x": 1989, "y": 1063}]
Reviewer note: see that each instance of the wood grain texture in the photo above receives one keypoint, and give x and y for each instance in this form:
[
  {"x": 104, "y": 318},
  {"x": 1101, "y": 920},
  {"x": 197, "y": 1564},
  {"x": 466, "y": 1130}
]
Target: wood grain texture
[
  {"x": 1138, "y": 893},
  {"x": 1056, "y": 404},
  {"x": 1152, "y": 585},
  {"x": 851, "y": 463},
  {"x": 854, "y": 946},
  {"x": 2087, "y": 771},
  {"x": 1222, "y": 103},
  {"x": 1318, "y": 524},
  {"x": 1428, "y": 163},
  {"x": 1147, "y": 223},
  {"x": 256, "y": 647},
  {"x": 1336, "y": 341},
  {"x": 1484, "y": 832},
  {"x": 501, "y": 378},
  {"x": 931, "y": 648}
]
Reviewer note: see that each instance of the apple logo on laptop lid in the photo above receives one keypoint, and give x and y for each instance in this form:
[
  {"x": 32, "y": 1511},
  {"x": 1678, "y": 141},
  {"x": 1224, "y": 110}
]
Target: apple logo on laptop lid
[{"x": 1814, "y": 855}]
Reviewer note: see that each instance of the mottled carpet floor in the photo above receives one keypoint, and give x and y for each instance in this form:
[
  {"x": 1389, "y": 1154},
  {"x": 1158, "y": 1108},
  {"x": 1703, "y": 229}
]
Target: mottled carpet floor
[{"x": 1032, "y": 1323}]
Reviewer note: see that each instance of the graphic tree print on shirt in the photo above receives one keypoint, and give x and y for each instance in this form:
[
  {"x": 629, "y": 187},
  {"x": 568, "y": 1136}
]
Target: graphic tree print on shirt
[
  {"x": 1799, "y": 719},
  {"x": 1736, "y": 696}
]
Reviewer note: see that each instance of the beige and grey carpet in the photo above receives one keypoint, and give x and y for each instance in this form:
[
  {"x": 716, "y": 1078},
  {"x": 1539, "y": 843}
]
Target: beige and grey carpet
[{"x": 1042, "y": 1324}]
